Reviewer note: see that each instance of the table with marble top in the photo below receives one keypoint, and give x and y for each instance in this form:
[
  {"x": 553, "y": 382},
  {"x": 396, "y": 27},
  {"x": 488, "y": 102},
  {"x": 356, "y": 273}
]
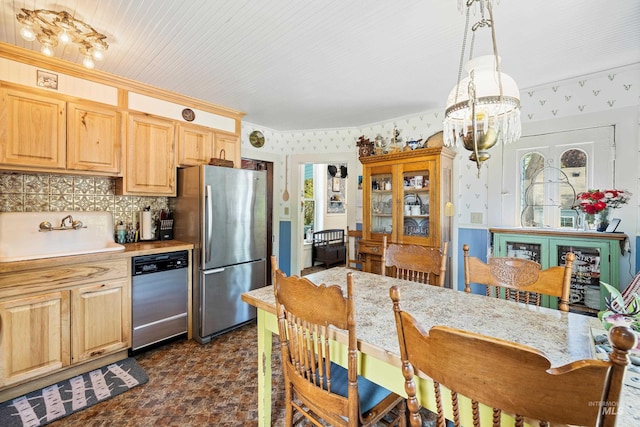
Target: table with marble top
[{"x": 563, "y": 337}]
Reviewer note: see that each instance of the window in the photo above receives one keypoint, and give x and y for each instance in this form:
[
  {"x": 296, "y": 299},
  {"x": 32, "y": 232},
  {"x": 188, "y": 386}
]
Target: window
[
  {"x": 550, "y": 170},
  {"x": 308, "y": 203}
]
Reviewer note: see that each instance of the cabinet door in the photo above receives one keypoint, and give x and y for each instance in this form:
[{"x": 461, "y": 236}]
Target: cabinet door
[
  {"x": 379, "y": 203},
  {"x": 231, "y": 146},
  {"x": 151, "y": 167},
  {"x": 417, "y": 223},
  {"x": 93, "y": 142},
  {"x": 101, "y": 321},
  {"x": 35, "y": 336},
  {"x": 525, "y": 247},
  {"x": 195, "y": 145},
  {"x": 34, "y": 130},
  {"x": 592, "y": 266}
]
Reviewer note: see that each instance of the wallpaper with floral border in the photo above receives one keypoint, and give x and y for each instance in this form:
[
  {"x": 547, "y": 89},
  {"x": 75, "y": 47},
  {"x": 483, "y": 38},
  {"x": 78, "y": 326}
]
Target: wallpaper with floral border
[
  {"x": 597, "y": 92},
  {"x": 587, "y": 94}
]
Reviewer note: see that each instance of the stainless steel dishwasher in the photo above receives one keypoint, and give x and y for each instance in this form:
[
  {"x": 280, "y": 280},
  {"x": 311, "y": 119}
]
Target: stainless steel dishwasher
[{"x": 159, "y": 297}]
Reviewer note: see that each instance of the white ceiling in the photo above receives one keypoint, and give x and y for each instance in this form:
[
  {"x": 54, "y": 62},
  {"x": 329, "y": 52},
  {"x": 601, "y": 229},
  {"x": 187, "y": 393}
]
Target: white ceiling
[{"x": 302, "y": 64}]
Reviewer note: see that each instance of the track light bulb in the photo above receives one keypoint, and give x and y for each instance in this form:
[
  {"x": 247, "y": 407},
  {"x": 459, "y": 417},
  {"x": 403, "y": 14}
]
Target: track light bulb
[
  {"x": 27, "y": 33},
  {"x": 97, "y": 54},
  {"x": 64, "y": 37},
  {"x": 88, "y": 62},
  {"x": 46, "y": 50}
]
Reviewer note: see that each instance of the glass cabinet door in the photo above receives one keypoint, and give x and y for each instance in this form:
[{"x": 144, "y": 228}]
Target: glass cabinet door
[
  {"x": 381, "y": 206},
  {"x": 591, "y": 266},
  {"x": 416, "y": 202}
]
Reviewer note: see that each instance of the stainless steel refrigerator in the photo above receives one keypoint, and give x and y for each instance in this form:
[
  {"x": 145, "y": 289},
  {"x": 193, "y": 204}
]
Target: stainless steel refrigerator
[{"x": 222, "y": 211}]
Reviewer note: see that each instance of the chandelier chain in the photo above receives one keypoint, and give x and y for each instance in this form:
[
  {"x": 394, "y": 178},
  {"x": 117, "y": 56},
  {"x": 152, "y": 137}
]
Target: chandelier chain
[
  {"x": 495, "y": 48},
  {"x": 464, "y": 47}
]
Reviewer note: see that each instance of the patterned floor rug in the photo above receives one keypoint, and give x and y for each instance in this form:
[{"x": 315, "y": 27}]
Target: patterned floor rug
[{"x": 41, "y": 407}]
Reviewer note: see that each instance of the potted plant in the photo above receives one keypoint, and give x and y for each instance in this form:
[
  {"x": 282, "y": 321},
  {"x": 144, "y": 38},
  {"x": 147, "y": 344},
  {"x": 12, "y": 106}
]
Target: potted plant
[{"x": 619, "y": 313}]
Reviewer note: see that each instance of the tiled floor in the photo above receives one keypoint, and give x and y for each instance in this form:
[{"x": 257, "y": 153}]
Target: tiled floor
[{"x": 192, "y": 385}]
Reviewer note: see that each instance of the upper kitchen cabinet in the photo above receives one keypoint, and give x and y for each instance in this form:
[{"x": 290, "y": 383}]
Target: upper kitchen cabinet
[
  {"x": 150, "y": 157},
  {"x": 33, "y": 130},
  {"x": 230, "y": 144},
  {"x": 406, "y": 194},
  {"x": 47, "y": 133},
  {"x": 93, "y": 141},
  {"x": 198, "y": 144},
  {"x": 195, "y": 145}
]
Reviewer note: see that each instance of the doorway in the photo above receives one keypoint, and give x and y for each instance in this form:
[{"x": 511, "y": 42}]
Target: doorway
[{"x": 323, "y": 203}]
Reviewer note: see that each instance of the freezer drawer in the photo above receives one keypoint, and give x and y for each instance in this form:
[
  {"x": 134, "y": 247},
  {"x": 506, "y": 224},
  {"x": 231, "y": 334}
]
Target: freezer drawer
[{"x": 221, "y": 307}]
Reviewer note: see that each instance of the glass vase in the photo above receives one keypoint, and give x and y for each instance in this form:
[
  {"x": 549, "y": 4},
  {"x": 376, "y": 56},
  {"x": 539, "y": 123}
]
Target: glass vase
[{"x": 602, "y": 220}]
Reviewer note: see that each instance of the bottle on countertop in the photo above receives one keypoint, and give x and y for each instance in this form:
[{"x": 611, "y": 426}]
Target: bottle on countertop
[{"x": 121, "y": 233}]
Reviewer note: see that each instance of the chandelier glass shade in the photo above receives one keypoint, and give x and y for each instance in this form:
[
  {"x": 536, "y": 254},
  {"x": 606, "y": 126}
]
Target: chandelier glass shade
[
  {"x": 483, "y": 108},
  {"x": 50, "y": 28}
]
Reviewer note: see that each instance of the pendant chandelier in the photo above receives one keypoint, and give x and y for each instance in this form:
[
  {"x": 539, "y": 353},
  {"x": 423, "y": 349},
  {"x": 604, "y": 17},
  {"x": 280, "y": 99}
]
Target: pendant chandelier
[
  {"x": 51, "y": 28},
  {"x": 484, "y": 107}
]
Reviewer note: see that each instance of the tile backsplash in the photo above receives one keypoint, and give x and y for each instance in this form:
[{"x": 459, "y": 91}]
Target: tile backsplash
[{"x": 27, "y": 192}]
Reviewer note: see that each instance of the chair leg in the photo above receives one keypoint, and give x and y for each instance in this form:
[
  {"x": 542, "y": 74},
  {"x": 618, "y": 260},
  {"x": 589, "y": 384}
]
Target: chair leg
[{"x": 288, "y": 406}]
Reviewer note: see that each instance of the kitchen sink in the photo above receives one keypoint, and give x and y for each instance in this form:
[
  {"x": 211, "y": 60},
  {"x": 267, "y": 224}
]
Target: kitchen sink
[{"x": 35, "y": 235}]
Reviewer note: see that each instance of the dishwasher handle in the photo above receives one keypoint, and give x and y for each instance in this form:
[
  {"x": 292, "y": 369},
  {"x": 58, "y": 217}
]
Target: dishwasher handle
[{"x": 216, "y": 270}]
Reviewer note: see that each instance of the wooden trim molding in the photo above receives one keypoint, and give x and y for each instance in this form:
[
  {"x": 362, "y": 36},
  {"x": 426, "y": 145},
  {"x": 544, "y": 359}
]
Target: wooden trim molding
[{"x": 36, "y": 59}]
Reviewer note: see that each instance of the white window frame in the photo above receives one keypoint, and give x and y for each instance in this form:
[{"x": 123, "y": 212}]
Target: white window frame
[{"x": 597, "y": 142}]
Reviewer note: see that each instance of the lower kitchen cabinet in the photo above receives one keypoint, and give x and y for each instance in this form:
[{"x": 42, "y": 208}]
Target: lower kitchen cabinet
[
  {"x": 100, "y": 319},
  {"x": 597, "y": 260},
  {"x": 56, "y": 319},
  {"x": 35, "y": 336}
]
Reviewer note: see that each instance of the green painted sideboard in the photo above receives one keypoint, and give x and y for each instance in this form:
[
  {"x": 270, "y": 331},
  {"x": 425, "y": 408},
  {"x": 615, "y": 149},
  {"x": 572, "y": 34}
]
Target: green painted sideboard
[{"x": 597, "y": 259}]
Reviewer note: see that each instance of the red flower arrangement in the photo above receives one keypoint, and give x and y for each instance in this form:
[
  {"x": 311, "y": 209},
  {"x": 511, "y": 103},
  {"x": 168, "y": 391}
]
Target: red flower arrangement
[{"x": 594, "y": 201}]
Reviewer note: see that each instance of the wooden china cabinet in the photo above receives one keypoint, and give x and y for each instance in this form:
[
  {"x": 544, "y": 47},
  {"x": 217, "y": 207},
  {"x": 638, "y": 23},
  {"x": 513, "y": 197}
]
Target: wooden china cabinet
[{"x": 407, "y": 196}]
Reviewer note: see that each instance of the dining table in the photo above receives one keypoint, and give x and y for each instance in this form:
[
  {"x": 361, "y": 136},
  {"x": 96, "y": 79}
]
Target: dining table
[{"x": 563, "y": 337}]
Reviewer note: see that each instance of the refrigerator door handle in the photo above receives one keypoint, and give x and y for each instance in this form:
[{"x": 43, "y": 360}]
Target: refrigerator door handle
[
  {"x": 208, "y": 224},
  {"x": 217, "y": 270}
]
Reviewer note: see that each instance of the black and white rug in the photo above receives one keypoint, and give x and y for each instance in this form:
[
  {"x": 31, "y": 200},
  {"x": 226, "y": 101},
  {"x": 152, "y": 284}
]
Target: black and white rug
[{"x": 43, "y": 406}]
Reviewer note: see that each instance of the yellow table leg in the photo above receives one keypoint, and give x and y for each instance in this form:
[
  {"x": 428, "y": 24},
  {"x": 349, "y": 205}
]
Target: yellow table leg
[{"x": 264, "y": 370}]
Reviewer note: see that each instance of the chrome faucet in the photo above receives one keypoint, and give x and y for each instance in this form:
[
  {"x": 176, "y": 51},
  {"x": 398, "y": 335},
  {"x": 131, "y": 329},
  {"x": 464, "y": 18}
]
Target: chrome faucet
[
  {"x": 73, "y": 225},
  {"x": 68, "y": 217}
]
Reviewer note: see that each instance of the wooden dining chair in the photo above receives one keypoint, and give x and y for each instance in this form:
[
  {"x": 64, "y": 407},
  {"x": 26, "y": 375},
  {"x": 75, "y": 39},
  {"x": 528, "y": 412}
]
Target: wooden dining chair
[
  {"x": 417, "y": 263},
  {"x": 354, "y": 260},
  {"x": 518, "y": 279},
  {"x": 509, "y": 377},
  {"x": 315, "y": 387},
  {"x": 373, "y": 254}
]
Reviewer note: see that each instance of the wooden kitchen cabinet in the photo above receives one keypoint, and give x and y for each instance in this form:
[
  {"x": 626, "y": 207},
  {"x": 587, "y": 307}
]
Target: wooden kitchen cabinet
[
  {"x": 150, "y": 158},
  {"x": 230, "y": 144},
  {"x": 100, "y": 322},
  {"x": 94, "y": 138},
  {"x": 33, "y": 130},
  {"x": 195, "y": 145},
  {"x": 63, "y": 319},
  {"x": 35, "y": 336}
]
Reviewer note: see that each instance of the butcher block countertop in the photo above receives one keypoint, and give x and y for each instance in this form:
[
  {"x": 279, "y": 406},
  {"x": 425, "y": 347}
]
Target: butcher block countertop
[{"x": 131, "y": 250}]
